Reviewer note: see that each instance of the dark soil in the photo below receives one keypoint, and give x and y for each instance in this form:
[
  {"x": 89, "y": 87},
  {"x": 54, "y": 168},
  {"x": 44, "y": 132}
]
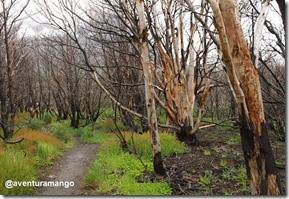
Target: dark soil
[
  {"x": 216, "y": 166},
  {"x": 71, "y": 166}
]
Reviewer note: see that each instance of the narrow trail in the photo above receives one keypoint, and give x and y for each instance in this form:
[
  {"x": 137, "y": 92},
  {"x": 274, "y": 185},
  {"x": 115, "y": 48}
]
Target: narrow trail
[{"x": 71, "y": 166}]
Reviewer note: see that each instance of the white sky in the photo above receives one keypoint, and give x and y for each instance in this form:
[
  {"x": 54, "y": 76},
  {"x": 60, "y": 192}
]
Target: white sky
[{"x": 31, "y": 27}]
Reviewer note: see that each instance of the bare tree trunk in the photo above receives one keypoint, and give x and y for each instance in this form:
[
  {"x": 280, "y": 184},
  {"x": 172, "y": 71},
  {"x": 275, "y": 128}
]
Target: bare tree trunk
[
  {"x": 232, "y": 105},
  {"x": 149, "y": 90},
  {"x": 10, "y": 67},
  {"x": 259, "y": 159},
  {"x": 217, "y": 103},
  {"x": 258, "y": 30}
]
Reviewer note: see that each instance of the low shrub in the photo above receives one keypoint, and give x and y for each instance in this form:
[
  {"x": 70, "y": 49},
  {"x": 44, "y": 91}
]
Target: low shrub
[
  {"x": 35, "y": 124},
  {"x": 47, "y": 118},
  {"x": 83, "y": 130},
  {"x": 62, "y": 131}
]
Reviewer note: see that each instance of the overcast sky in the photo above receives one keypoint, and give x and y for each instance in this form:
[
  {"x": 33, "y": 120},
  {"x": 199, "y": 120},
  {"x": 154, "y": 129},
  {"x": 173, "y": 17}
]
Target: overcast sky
[{"x": 31, "y": 27}]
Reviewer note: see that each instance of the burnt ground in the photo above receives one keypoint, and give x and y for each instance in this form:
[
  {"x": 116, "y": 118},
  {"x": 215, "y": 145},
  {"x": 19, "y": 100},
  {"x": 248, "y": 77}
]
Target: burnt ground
[
  {"x": 216, "y": 166},
  {"x": 71, "y": 166}
]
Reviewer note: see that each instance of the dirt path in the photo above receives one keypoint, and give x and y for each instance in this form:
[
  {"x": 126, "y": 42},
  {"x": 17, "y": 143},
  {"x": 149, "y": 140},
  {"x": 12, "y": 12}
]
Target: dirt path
[{"x": 72, "y": 166}]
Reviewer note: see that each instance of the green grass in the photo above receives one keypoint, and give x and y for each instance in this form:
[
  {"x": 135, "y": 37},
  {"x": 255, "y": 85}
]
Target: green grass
[
  {"x": 45, "y": 154},
  {"x": 226, "y": 174},
  {"x": 207, "y": 152},
  {"x": 47, "y": 118},
  {"x": 108, "y": 125},
  {"x": 223, "y": 163},
  {"x": 238, "y": 174},
  {"x": 206, "y": 179},
  {"x": 241, "y": 177},
  {"x": 62, "y": 131},
  {"x": 108, "y": 114},
  {"x": 169, "y": 145},
  {"x": 88, "y": 136},
  {"x": 35, "y": 124},
  {"x": 162, "y": 118},
  {"x": 20, "y": 162},
  {"x": 233, "y": 139},
  {"x": 14, "y": 166},
  {"x": 117, "y": 172}
]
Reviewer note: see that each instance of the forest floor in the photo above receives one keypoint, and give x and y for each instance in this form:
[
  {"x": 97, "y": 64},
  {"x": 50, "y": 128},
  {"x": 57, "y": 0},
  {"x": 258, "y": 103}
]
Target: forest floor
[
  {"x": 94, "y": 160},
  {"x": 71, "y": 166},
  {"x": 216, "y": 165}
]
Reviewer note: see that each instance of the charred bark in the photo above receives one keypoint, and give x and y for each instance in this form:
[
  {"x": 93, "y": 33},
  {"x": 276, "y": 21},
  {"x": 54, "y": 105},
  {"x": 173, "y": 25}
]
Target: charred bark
[
  {"x": 259, "y": 159},
  {"x": 185, "y": 136},
  {"x": 158, "y": 164},
  {"x": 244, "y": 80}
]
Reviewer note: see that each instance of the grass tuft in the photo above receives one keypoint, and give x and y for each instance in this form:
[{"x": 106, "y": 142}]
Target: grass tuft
[
  {"x": 14, "y": 166},
  {"x": 46, "y": 152}
]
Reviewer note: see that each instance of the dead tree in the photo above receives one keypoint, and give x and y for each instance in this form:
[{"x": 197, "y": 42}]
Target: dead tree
[
  {"x": 243, "y": 76},
  {"x": 10, "y": 58},
  {"x": 149, "y": 90}
]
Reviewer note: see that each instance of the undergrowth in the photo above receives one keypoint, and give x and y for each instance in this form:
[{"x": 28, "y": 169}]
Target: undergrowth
[
  {"x": 35, "y": 124},
  {"x": 108, "y": 125},
  {"x": 16, "y": 167},
  {"x": 62, "y": 131},
  {"x": 87, "y": 135},
  {"x": 46, "y": 152},
  {"x": 169, "y": 144},
  {"x": 117, "y": 172},
  {"x": 19, "y": 162},
  {"x": 100, "y": 132}
]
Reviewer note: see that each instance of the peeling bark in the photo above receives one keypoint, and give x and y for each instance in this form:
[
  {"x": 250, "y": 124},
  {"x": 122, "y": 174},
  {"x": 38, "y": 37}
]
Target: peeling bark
[
  {"x": 244, "y": 79},
  {"x": 149, "y": 90},
  {"x": 179, "y": 81}
]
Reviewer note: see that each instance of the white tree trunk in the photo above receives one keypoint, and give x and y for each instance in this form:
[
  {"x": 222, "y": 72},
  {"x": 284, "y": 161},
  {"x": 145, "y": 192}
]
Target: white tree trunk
[
  {"x": 258, "y": 30},
  {"x": 149, "y": 90}
]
